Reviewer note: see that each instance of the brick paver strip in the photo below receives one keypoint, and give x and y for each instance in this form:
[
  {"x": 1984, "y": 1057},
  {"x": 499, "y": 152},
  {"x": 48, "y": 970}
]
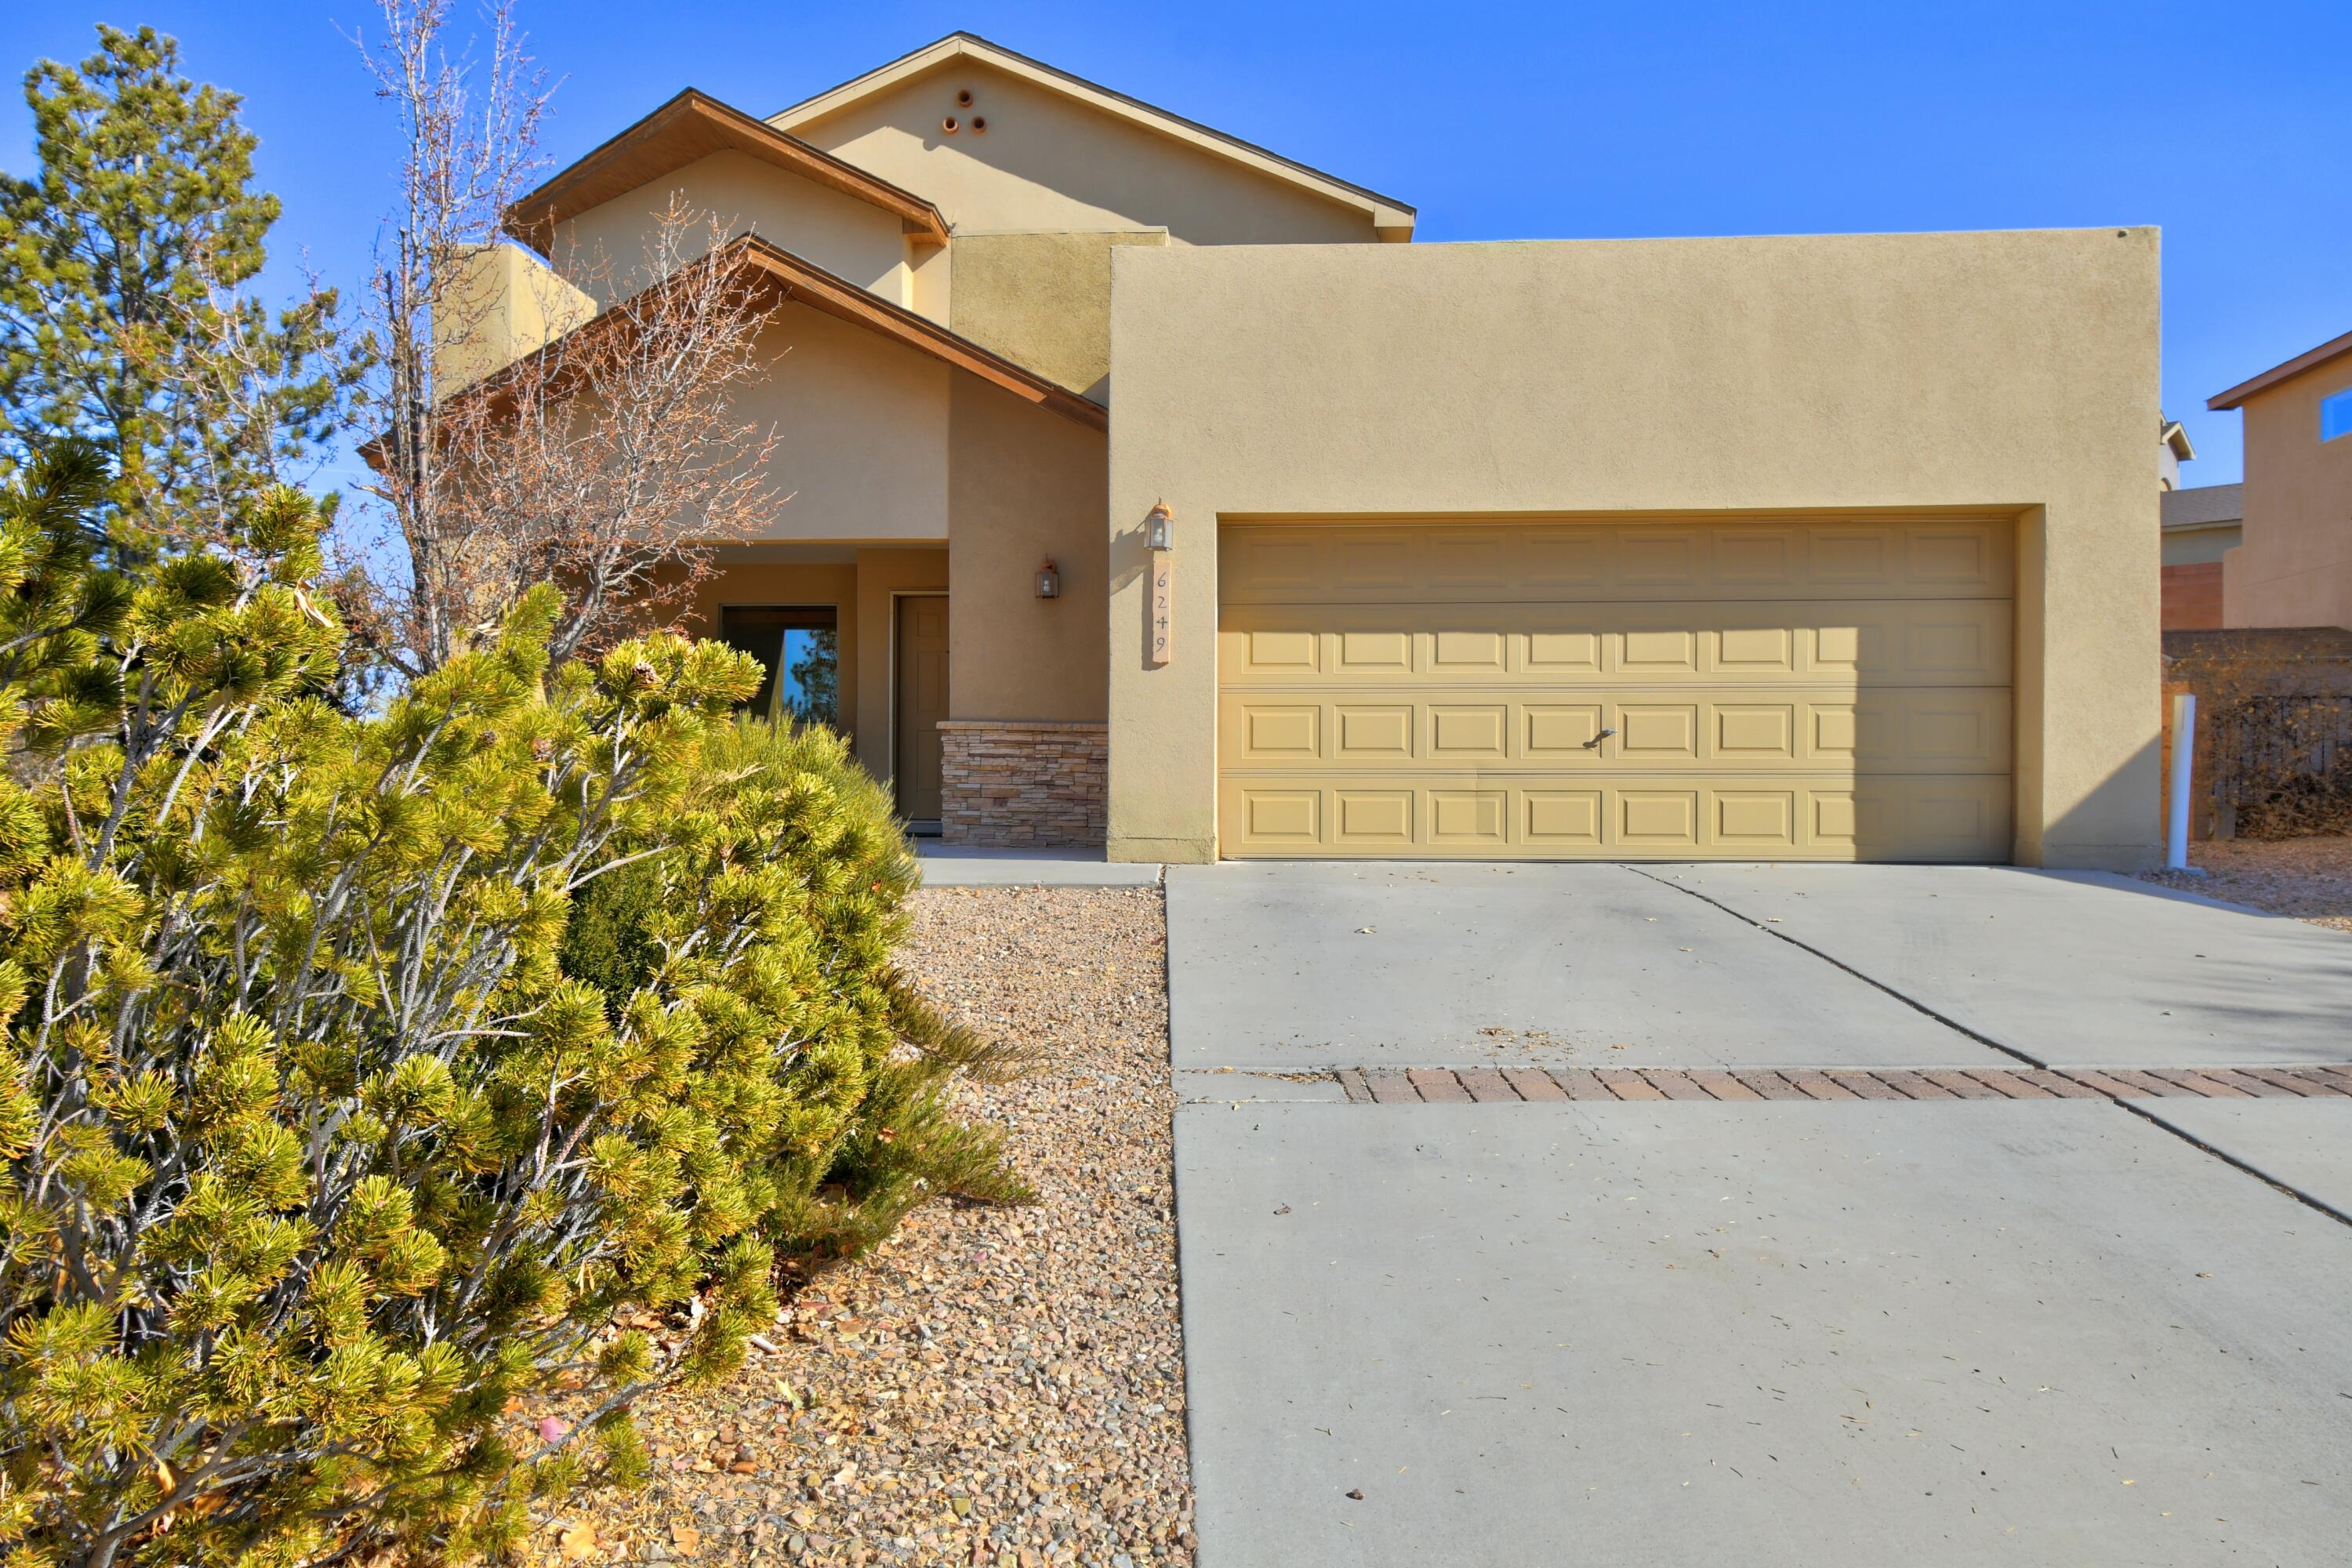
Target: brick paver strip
[
  {"x": 1866, "y": 1086},
  {"x": 2100, "y": 1083},
  {"x": 1962, "y": 1086},
  {"x": 1675, "y": 1085},
  {"x": 2284, "y": 1079},
  {"x": 1627, "y": 1084},
  {"x": 1485, "y": 1084},
  {"x": 2141, "y": 1083},
  {"x": 2059, "y": 1085},
  {"x": 2198, "y": 1083},
  {"x": 1914, "y": 1085},
  {"x": 2254, "y": 1086},
  {"x": 1580, "y": 1084},
  {"x": 2002, "y": 1081},
  {"x": 1533, "y": 1084},
  {"x": 1722, "y": 1084},
  {"x": 1439, "y": 1087},
  {"x": 1817, "y": 1085}
]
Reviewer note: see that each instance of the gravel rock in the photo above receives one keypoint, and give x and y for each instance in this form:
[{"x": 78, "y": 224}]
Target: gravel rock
[
  {"x": 2310, "y": 878},
  {"x": 1000, "y": 1386}
]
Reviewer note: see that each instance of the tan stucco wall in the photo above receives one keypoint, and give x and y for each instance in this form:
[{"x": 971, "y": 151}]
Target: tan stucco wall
[
  {"x": 2294, "y": 568},
  {"x": 851, "y": 239},
  {"x": 1043, "y": 299},
  {"x": 1047, "y": 162},
  {"x": 2013, "y": 373},
  {"x": 1023, "y": 484},
  {"x": 863, "y": 422},
  {"x": 503, "y": 302}
]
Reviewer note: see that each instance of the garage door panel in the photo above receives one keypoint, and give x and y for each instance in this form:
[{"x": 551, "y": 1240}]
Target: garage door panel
[
  {"x": 1561, "y": 733},
  {"x": 1368, "y": 817},
  {"x": 1475, "y": 561},
  {"x": 1735, "y": 816},
  {"x": 1665, "y": 690},
  {"x": 1863, "y": 643},
  {"x": 1932, "y": 730},
  {"x": 1374, "y": 734}
]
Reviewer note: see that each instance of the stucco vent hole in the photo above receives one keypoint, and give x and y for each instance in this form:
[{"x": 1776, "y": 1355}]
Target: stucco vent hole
[
  {"x": 963, "y": 99},
  {"x": 979, "y": 123},
  {"x": 949, "y": 125}
]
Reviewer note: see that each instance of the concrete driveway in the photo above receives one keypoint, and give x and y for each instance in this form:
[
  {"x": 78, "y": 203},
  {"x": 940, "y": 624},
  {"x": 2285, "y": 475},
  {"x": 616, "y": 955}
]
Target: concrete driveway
[{"x": 2046, "y": 1331}]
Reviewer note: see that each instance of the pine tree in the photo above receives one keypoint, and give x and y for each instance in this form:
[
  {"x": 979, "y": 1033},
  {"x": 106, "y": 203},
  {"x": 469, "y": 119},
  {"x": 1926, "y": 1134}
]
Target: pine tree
[
  {"x": 124, "y": 320},
  {"x": 332, "y": 1155}
]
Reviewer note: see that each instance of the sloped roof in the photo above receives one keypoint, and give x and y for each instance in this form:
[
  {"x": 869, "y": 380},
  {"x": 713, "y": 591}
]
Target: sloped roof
[
  {"x": 2203, "y": 505},
  {"x": 783, "y": 277},
  {"x": 1391, "y": 219},
  {"x": 2334, "y": 348},
  {"x": 690, "y": 126}
]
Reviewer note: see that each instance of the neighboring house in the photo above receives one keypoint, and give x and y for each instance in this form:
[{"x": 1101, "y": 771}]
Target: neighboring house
[
  {"x": 2294, "y": 567},
  {"x": 2200, "y": 526},
  {"x": 2173, "y": 450},
  {"x": 1817, "y": 547}
]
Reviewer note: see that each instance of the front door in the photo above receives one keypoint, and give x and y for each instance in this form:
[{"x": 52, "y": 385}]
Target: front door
[{"x": 921, "y": 703}]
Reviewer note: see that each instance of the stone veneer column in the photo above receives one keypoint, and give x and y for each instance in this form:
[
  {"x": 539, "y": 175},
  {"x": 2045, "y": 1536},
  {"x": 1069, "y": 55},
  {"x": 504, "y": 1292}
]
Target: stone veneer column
[{"x": 1023, "y": 783}]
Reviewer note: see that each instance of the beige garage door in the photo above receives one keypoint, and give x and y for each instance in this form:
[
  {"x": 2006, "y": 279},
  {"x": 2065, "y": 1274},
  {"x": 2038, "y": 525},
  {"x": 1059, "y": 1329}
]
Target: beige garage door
[{"x": 1738, "y": 691}]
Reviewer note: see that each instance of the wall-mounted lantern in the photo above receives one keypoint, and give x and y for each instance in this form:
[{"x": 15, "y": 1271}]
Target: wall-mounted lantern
[
  {"x": 1159, "y": 528},
  {"x": 1049, "y": 579}
]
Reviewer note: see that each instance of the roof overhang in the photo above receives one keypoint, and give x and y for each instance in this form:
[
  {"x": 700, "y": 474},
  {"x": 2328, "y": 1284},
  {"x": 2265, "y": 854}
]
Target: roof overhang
[
  {"x": 1390, "y": 219},
  {"x": 2334, "y": 348},
  {"x": 801, "y": 282},
  {"x": 690, "y": 126},
  {"x": 2177, "y": 438}
]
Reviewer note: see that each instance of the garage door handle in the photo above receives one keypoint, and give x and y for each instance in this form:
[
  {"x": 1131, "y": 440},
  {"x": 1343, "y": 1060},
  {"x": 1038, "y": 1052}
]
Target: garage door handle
[{"x": 1594, "y": 743}]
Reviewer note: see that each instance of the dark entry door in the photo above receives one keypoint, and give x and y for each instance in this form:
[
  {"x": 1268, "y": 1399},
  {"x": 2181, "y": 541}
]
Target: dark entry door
[{"x": 922, "y": 702}]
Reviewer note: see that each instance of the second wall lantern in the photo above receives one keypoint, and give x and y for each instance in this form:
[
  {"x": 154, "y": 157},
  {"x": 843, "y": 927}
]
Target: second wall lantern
[{"x": 1049, "y": 579}]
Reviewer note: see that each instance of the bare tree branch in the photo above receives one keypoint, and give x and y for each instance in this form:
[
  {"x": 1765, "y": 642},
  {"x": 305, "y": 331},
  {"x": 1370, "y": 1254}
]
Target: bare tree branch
[{"x": 606, "y": 461}]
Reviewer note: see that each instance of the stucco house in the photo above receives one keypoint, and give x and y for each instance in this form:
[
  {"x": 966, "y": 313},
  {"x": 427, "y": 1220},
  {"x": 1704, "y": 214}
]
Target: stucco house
[
  {"x": 2294, "y": 565},
  {"x": 1151, "y": 489},
  {"x": 2201, "y": 525}
]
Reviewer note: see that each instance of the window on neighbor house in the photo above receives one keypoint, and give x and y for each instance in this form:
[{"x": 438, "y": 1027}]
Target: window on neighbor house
[
  {"x": 799, "y": 646},
  {"x": 2335, "y": 415}
]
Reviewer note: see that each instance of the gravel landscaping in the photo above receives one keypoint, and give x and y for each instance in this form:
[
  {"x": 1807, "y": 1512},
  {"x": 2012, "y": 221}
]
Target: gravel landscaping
[
  {"x": 990, "y": 1386},
  {"x": 2310, "y": 878}
]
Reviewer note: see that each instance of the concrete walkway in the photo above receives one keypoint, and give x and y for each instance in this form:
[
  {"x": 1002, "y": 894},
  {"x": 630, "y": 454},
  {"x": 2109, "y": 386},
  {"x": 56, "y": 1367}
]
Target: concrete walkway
[
  {"x": 2050, "y": 1331},
  {"x": 962, "y": 865},
  {"x": 2070, "y": 970}
]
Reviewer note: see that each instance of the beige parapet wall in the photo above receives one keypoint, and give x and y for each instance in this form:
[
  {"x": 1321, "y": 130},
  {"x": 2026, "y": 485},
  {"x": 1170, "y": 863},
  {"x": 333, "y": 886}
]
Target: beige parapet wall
[
  {"x": 503, "y": 303},
  {"x": 1997, "y": 373}
]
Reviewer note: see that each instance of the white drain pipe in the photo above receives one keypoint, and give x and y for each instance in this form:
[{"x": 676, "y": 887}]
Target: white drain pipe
[{"x": 2184, "y": 754}]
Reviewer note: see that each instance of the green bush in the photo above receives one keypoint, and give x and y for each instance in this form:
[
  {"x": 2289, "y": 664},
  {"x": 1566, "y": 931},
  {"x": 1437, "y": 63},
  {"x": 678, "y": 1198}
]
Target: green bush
[
  {"x": 786, "y": 814},
  {"x": 330, "y": 1130}
]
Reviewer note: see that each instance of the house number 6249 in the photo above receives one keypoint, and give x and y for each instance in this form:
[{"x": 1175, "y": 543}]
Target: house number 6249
[{"x": 1163, "y": 608}]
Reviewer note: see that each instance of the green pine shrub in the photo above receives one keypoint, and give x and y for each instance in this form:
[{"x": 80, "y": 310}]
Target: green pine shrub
[
  {"x": 786, "y": 814},
  {"x": 331, "y": 1133}
]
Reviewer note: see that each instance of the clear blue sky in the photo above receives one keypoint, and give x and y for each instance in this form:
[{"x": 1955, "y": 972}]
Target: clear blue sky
[{"x": 2228, "y": 125}]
